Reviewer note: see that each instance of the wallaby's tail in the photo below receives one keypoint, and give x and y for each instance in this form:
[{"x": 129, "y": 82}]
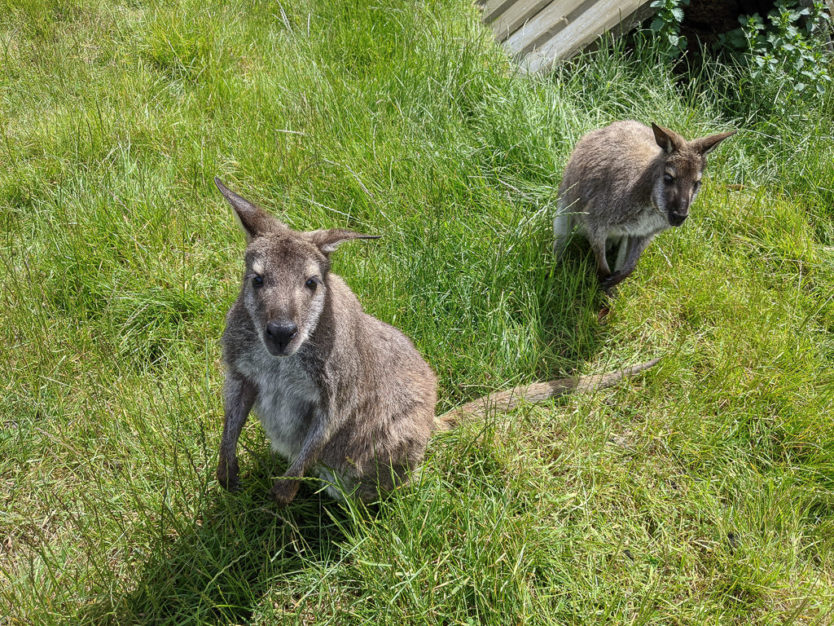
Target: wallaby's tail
[{"x": 502, "y": 401}]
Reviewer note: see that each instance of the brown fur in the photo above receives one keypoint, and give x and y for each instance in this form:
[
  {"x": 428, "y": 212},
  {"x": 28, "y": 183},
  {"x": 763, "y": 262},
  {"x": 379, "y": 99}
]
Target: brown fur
[
  {"x": 623, "y": 185},
  {"x": 503, "y": 401},
  {"x": 344, "y": 395}
]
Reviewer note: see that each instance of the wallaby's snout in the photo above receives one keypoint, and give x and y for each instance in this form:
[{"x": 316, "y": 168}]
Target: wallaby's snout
[
  {"x": 676, "y": 218},
  {"x": 278, "y": 336},
  {"x": 678, "y": 209}
]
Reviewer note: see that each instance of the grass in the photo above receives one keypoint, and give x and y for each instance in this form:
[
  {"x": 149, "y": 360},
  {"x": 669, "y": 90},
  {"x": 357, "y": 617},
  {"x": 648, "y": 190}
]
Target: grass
[{"x": 700, "y": 492}]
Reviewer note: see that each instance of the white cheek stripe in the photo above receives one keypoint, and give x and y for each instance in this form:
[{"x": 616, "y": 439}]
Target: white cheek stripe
[
  {"x": 658, "y": 199},
  {"x": 316, "y": 307},
  {"x": 258, "y": 266}
]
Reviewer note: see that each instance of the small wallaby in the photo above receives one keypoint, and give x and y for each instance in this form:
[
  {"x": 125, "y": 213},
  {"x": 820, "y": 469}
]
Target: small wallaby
[
  {"x": 337, "y": 391},
  {"x": 624, "y": 184}
]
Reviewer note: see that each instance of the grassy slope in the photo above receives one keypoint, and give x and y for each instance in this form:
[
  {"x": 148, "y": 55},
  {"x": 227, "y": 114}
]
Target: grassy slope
[{"x": 700, "y": 492}]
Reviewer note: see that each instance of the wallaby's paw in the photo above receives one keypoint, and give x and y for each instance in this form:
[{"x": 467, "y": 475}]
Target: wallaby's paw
[
  {"x": 227, "y": 477},
  {"x": 229, "y": 485},
  {"x": 608, "y": 283},
  {"x": 284, "y": 490}
]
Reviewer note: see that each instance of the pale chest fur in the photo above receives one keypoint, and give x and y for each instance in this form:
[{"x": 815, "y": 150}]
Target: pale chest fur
[
  {"x": 286, "y": 396},
  {"x": 649, "y": 221},
  {"x": 642, "y": 223}
]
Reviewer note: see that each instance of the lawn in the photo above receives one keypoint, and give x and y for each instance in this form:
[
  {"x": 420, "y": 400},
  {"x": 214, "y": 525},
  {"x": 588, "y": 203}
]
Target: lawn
[{"x": 699, "y": 492}]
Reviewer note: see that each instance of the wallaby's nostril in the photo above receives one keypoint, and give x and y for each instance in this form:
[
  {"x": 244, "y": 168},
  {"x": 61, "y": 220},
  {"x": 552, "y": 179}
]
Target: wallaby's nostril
[{"x": 281, "y": 332}]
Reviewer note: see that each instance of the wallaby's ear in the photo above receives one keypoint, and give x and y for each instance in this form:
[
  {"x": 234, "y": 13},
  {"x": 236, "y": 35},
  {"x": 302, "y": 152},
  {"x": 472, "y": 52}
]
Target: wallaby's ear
[
  {"x": 328, "y": 240},
  {"x": 667, "y": 139},
  {"x": 705, "y": 145},
  {"x": 253, "y": 220}
]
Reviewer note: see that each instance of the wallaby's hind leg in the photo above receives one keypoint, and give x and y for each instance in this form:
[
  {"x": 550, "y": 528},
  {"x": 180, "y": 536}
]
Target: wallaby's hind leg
[{"x": 562, "y": 231}]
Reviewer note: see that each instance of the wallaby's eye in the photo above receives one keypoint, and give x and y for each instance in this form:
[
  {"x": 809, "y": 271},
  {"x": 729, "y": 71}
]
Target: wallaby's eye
[
  {"x": 697, "y": 185},
  {"x": 668, "y": 179},
  {"x": 257, "y": 281},
  {"x": 311, "y": 284}
]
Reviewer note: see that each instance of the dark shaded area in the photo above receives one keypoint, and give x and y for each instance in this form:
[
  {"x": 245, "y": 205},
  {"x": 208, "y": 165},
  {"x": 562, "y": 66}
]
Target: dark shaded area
[
  {"x": 216, "y": 567},
  {"x": 705, "y": 20}
]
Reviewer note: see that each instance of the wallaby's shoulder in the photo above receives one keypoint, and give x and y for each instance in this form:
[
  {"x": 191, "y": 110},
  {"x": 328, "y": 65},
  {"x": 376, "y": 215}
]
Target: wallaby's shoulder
[
  {"x": 342, "y": 297},
  {"x": 239, "y": 336},
  {"x": 378, "y": 332}
]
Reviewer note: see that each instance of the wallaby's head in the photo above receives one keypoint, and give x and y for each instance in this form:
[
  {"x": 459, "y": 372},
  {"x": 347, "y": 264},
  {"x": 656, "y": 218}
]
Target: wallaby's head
[
  {"x": 683, "y": 164},
  {"x": 285, "y": 281}
]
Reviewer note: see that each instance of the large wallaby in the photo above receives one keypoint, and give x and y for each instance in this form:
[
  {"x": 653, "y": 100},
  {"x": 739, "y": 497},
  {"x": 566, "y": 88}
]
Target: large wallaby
[
  {"x": 337, "y": 391},
  {"x": 624, "y": 184}
]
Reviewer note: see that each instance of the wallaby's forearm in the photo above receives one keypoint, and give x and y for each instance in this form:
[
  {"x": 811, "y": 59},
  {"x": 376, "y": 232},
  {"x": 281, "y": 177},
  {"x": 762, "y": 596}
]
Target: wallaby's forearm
[
  {"x": 636, "y": 246},
  {"x": 502, "y": 401},
  {"x": 286, "y": 487},
  {"x": 240, "y": 395}
]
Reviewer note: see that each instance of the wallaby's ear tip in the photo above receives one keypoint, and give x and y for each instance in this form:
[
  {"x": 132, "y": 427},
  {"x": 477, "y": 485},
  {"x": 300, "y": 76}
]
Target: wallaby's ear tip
[
  {"x": 668, "y": 140},
  {"x": 705, "y": 145},
  {"x": 253, "y": 220},
  {"x": 328, "y": 240}
]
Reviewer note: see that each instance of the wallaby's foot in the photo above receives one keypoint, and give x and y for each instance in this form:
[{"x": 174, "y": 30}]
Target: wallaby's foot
[
  {"x": 608, "y": 283},
  {"x": 284, "y": 490},
  {"x": 227, "y": 475},
  {"x": 612, "y": 280}
]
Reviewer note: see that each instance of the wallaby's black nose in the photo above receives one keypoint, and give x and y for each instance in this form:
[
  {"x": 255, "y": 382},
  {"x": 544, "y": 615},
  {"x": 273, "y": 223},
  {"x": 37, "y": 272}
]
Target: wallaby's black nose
[{"x": 281, "y": 333}]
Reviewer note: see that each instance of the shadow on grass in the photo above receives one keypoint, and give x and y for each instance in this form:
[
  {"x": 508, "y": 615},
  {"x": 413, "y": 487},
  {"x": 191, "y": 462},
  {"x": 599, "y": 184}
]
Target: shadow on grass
[
  {"x": 569, "y": 311},
  {"x": 218, "y": 566}
]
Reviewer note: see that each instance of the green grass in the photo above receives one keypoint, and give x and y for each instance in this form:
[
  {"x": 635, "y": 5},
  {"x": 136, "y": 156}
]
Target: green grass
[{"x": 700, "y": 492}]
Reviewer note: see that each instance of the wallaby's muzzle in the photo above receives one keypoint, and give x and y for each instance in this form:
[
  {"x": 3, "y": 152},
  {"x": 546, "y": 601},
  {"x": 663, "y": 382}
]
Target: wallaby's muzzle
[
  {"x": 278, "y": 336},
  {"x": 676, "y": 219}
]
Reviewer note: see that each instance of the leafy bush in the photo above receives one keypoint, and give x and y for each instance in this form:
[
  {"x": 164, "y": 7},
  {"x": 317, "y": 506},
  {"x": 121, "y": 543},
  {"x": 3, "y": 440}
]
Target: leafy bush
[
  {"x": 666, "y": 26},
  {"x": 789, "y": 47}
]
